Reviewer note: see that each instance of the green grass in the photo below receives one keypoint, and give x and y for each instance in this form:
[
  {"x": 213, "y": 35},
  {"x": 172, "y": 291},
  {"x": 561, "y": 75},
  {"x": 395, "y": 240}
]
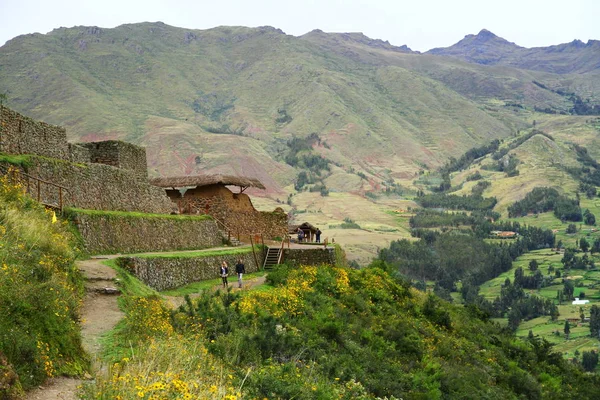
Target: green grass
[
  {"x": 543, "y": 326},
  {"x": 129, "y": 284},
  {"x": 197, "y": 287},
  {"x": 133, "y": 214},
  {"x": 22, "y": 160},
  {"x": 199, "y": 253}
]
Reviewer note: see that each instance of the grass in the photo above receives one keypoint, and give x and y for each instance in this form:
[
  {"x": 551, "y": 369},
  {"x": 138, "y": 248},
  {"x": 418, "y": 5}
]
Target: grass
[
  {"x": 544, "y": 326},
  {"x": 199, "y": 253},
  {"x": 129, "y": 284},
  {"x": 197, "y": 287},
  {"x": 22, "y": 160},
  {"x": 133, "y": 214}
]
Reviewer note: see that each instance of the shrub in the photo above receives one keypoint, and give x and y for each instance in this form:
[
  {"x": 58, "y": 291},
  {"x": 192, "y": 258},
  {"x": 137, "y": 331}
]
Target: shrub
[{"x": 40, "y": 292}]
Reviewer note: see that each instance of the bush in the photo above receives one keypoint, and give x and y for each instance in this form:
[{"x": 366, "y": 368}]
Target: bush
[{"x": 40, "y": 292}]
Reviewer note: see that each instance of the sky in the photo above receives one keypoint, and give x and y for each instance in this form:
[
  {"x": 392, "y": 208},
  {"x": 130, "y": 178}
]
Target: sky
[{"x": 420, "y": 24}]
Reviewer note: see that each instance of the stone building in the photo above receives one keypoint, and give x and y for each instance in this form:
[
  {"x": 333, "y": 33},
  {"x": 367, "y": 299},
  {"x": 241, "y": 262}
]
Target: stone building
[{"x": 209, "y": 194}]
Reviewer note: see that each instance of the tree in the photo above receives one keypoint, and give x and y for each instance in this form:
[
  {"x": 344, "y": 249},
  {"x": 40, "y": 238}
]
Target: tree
[
  {"x": 567, "y": 328},
  {"x": 530, "y": 335},
  {"x": 533, "y": 265},
  {"x": 568, "y": 289},
  {"x": 3, "y": 98},
  {"x": 590, "y": 360},
  {"x": 595, "y": 247},
  {"x": 595, "y": 321},
  {"x": 554, "y": 313},
  {"x": 518, "y": 277},
  {"x": 584, "y": 245},
  {"x": 568, "y": 258},
  {"x": 572, "y": 228},
  {"x": 589, "y": 218}
]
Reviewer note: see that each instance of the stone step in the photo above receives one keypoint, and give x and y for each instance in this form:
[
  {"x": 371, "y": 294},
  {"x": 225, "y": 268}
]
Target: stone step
[{"x": 104, "y": 290}]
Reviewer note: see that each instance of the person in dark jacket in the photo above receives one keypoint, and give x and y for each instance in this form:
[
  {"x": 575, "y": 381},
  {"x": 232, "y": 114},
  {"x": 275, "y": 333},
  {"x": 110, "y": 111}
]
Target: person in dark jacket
[
  {"x": 240, "y": 270},
  {"x": 224, "y": 272},
  {"x": 318, "y": 233}
]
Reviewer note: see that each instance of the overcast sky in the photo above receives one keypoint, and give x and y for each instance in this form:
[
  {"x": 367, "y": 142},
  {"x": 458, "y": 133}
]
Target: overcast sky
[{"x": 420, "y": 24}]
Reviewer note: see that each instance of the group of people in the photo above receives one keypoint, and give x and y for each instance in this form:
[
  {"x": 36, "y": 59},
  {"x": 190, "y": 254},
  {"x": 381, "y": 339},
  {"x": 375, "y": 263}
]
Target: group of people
[
  {"x": 301, "y": 235},
  {"x": 240, "y": 270}
]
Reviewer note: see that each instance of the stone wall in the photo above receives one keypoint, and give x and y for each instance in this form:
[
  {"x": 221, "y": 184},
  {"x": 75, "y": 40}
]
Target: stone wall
[
  {"x": 79, "y": 154},
  {"x": 271, "y": 224},
  {"x": 96, "y": 186},
  {"x": 112, "y": 232},
  {"x": 309, "y": 256},
  {"x": 119, "y": 154},
  {"x": 22, "y": 135},
  {"x": 235, "y": 210},
  {"x": 163, "y": 273}
]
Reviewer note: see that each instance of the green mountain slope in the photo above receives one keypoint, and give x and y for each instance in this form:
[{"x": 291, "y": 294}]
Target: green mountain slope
[
  {"x": 230, "y": 100},
  {"x": 230, "y": 97}
]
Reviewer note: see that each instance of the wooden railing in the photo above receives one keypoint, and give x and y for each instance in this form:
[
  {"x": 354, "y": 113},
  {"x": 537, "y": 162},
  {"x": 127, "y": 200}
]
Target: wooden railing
[
  {"x": 283, "y": 242},
  {"x": 35, "y": 190}
]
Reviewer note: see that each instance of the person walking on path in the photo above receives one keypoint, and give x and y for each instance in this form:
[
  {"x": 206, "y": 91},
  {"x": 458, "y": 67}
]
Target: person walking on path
[
  {"x": 224, "y": 272},
  {"x": 240, "y": 270},
  {"x": 318, "y": 233}
]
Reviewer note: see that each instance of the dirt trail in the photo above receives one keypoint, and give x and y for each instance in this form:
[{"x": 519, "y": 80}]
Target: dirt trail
[{"x": 99, "y": 314}]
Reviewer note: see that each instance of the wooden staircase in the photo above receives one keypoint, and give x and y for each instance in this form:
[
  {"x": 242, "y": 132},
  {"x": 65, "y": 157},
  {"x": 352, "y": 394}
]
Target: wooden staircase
[{"x": 273, "y": 257}]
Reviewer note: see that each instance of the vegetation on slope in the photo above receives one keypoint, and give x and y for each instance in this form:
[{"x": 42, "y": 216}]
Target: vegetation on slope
[
  {"x": 40, "y": 294},
  {"x": 285, "y": 87},
  {"x": 330, "y": 332}
]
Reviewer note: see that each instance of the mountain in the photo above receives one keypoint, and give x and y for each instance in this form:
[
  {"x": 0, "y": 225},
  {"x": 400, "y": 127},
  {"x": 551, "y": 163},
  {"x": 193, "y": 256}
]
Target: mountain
[
  {"x": 238, "y": 94},
  {"x": 228, "y": 99},
  {"x": 489, "y": 49},
  {"x": 335, "y": 125}
]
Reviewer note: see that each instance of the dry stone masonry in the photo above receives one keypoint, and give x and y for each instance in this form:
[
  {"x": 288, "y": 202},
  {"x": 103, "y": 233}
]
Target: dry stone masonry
[
  {"x": 163, "y": 273},
  {"x": 22, "y": 135},
  {"x": 309, "y": 256},
  {"x": 109, "y": 175},
  {"x": 111, "y": 233}
]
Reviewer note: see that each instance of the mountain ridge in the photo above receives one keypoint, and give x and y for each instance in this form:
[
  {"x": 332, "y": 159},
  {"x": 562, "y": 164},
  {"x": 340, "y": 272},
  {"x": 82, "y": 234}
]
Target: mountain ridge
[
  {"x": 488, "y": 49},
  {"x": 182, "y": 92}
]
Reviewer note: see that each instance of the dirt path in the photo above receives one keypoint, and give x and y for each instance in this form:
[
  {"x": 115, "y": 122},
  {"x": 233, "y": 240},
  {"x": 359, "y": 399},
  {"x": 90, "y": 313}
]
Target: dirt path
[{"x": 99, "y": 314}]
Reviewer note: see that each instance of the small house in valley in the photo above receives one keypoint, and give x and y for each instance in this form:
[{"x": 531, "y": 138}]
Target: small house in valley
[{"x": 233, "y": 209}]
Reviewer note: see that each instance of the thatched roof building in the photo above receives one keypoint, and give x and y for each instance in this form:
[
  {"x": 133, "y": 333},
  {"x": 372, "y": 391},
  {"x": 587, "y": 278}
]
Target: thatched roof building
[{"x": 206, "y": 180}]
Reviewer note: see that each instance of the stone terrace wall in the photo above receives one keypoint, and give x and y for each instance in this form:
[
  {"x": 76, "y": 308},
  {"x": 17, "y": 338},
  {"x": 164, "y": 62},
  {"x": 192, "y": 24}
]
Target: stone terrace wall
[
  {"x": 270, "y": 224},
  {"x": 309, "y": 256},
  {"x": 119, "y": 154},
  {"x": 112, "y": 233},
  {"x": 98, "y": 187},
  {"x": 236, "y": 211},
  {"x": 163, "y": 273},
  {"x": 22, "y": 135}
]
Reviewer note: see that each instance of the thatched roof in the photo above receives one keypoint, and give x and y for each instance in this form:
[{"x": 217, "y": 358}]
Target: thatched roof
[
  {"x": 205, "y": 180},
  {"x": 304, "y": 226}
]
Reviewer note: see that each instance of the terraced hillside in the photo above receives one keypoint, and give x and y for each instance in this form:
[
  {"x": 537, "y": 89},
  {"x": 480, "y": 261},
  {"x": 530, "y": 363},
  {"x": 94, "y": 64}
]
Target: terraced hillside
[
  {"x": 358, "y": 117},
  {"x": 229, "y": 98}
]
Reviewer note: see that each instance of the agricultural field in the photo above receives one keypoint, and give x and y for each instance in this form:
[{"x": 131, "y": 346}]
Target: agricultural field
[
  {"x": 586, "y": 282},
  {"x": 376, "y": 222}
]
